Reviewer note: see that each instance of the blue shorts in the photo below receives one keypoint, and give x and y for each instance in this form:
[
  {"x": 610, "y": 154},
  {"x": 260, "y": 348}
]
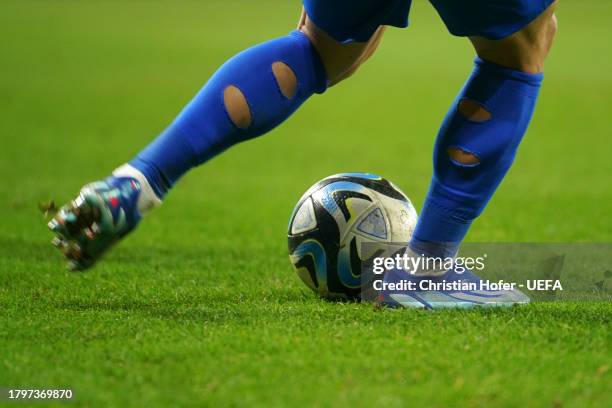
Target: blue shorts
[{"x": 357, "y": 20}]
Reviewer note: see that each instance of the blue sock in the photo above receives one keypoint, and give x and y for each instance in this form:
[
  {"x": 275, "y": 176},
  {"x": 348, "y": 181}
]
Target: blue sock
[
  {"x": 458, "y": 192},
  {"x": 204, "y": 128}
]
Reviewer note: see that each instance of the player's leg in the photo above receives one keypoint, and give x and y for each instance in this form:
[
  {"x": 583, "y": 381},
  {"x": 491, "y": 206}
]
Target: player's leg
[
  {"x": 248, "y": 96},
  {"x": 478, "y": 140},
  {"x": 482, "y": 131}
]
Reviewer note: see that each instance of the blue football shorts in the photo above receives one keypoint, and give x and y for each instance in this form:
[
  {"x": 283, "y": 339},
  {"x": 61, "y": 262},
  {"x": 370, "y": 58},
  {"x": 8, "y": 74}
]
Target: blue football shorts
[{"x": 357, "y": 20}]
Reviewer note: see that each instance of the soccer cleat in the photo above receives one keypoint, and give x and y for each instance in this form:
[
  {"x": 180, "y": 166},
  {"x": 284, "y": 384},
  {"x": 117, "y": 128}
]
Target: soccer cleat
[
  {"x": 103, "y": 213},
  {"x": 449, "y": 290}
]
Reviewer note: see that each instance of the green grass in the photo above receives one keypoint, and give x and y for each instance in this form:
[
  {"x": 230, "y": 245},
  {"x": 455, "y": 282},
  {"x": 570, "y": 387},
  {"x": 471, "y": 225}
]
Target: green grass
[{"x": 200, "y": 306}]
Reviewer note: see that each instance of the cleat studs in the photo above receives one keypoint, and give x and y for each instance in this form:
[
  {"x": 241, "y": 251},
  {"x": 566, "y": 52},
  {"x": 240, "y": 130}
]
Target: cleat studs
[
  {"x": 53, "y": 225},
  {"x": 72, "y": 251},
  {"x": 89, "y": 233},
  {"x": 75, "y": 252}
]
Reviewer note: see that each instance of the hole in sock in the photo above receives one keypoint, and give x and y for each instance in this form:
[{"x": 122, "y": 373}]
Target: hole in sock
[
  {"x": 237, "y": 107},
  {"x": 462, "y": 157},
  {"x": 286, "y": 79},
  {"x": 474, "y": 111}
]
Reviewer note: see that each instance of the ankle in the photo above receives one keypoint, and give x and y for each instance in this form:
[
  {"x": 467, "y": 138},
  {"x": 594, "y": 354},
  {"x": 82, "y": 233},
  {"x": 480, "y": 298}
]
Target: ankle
[{"x": 148, "y": 199}]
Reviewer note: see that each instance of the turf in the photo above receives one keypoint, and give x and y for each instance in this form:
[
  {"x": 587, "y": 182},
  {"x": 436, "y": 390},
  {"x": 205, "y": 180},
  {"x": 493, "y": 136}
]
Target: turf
[{"x": 200, "y": 306}]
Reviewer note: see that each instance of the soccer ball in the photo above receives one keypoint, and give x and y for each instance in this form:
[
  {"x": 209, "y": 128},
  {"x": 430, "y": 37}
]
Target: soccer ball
[{"x": 331, "y": 222}]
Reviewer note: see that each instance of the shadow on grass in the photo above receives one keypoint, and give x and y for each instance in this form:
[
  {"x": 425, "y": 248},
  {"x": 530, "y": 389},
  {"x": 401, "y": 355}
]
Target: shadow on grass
[
  {"x": 239, "y": 304},
  {"x": 218, "y": 307},
  {"x": 245, "y": 310}
]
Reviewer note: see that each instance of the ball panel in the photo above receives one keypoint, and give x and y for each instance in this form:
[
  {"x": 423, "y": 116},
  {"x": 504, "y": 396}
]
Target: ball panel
[
  {"x": 401, "y": 217},
  {"x": 370, "y": 181},
  {"x": 374, "y": 224},
  {"x": 310, "y": 255},
  {"x": 304, "y": 218}
]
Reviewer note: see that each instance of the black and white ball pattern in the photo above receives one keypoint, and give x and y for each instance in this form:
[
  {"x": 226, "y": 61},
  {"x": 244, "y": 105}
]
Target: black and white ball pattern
[{"x": 331, "y": 222}]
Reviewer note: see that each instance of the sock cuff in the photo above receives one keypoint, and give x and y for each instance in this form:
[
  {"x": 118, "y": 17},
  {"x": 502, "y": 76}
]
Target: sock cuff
[
  {"x": 147, "y": 200},
  {"x": 319, "y": 74},
  {"x": 498, "y": 70}
]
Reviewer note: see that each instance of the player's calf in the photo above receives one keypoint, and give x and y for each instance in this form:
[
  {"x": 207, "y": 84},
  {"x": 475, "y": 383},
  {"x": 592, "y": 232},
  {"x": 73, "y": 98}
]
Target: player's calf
[{"x": 481, "y": 134}]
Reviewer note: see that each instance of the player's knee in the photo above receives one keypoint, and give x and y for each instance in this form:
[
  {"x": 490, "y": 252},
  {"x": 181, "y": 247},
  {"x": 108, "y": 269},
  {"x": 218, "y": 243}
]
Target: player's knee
[
  {"x": 535, "y": 40},
  {"x": 525, "y": 50},
  {"x": 539, "y": 43},
  {"x": 237, "y": 107},
  {"x": 552, "y": 27},
  {"x": 340, "y": 60},
  {"x": 535, "y": 44}
]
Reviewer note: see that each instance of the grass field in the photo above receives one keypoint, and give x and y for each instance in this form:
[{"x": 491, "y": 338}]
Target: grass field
[{"x": 200, "y": 306}]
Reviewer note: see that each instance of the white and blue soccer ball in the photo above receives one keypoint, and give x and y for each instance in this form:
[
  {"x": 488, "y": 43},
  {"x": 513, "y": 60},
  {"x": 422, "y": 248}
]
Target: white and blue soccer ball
[{"x": 331, "y": 222}]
